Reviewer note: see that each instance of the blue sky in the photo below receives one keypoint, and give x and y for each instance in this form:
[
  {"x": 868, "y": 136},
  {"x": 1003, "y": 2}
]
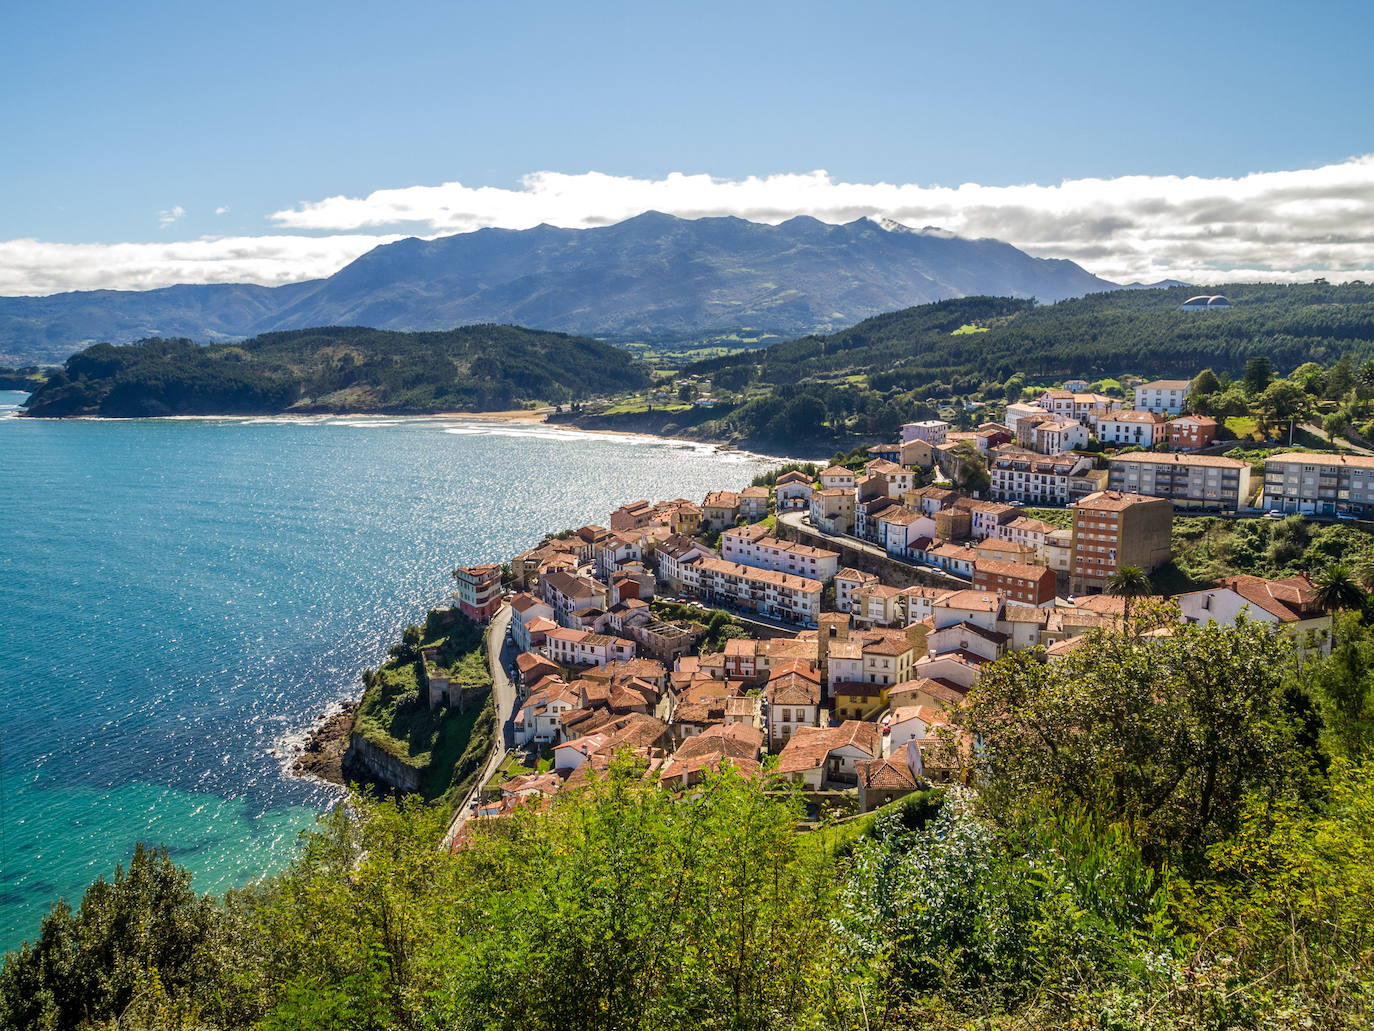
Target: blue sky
[{"x": 119, "y": 116}]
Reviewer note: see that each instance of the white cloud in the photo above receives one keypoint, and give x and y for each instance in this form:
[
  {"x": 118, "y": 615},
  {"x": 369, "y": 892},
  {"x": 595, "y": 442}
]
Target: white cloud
[
  {"x": 221, "y": 210},
  {"x": 1269, "y": 224},
  {"x": 1286, "y": 226},
  {"x": 35, "y": 267}
]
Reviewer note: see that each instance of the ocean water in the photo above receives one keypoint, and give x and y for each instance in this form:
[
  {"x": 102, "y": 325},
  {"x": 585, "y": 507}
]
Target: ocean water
[{"x": 180, "y": 597}]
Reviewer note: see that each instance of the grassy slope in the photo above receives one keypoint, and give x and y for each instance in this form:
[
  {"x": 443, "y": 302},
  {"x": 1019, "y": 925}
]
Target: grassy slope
[{"x": 447, "y": 746}]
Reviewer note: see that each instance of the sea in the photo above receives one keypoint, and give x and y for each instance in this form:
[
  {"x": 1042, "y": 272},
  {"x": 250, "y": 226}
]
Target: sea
[{"x": 181, "y": 600}]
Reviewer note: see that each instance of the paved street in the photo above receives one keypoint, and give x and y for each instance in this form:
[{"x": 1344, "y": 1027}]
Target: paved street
[{"x": 500, "y": 657}]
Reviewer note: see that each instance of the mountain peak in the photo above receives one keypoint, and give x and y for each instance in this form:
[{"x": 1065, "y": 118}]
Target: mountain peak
[{"x": 655, "y": 275}]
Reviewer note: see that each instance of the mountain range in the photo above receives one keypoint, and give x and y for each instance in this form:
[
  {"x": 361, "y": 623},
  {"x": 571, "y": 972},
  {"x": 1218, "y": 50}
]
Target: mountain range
[{"x": 651, "y": 277}]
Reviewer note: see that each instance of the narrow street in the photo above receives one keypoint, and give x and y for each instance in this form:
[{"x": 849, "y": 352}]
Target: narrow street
[{"x": 500, "y": 657}]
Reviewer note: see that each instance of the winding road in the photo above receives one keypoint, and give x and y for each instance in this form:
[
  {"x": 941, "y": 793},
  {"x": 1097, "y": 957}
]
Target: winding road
[{"x": 500, "y": 657}]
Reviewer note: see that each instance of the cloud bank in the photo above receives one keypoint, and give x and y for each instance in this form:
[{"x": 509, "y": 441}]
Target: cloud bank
[
  {"x": 1284, "y": 226},
  {"x": 32, "y": 267}
]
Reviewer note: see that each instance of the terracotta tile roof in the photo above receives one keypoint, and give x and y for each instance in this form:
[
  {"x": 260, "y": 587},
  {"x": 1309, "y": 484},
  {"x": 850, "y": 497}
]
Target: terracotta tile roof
[
  {"x": 793, "y": 688},
  {"x": 1013, "y": 570},
  {"x": 1353, "y": 461},
  {"x": 991, "y": 636},
  {"x": 1176, "y": 458},
  {"x": 941, "y": 690},
  {"x": 890, "y": 774},
  {"x": 1288, "y": 600},
  {"x": 857, "y": 689},
  {"x": 1028, "y": 525},
  {"x": 810, "y": 746},
  {"x": 849, "y": 573},
  {"x": 976, "y": 601},
  {"x": 1114, "y": 501},
  {"x": 1134, "y": 415}
]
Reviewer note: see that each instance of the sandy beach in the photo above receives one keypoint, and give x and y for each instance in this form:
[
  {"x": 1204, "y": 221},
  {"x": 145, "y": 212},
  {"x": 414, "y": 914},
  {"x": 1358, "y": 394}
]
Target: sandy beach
[{"x": 529, "y": 416}]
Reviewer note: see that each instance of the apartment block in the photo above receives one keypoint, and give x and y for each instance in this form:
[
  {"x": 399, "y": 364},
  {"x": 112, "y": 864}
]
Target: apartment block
[
  {"x": 1022, "y": 477},
  {"x": 782, "y": 596},
  {"x": 1189, "y": 481},
  {"x": 1113, "y": 529},
  {"x": 753, "y": 546},
  {"x": 1319, "y": 484}
]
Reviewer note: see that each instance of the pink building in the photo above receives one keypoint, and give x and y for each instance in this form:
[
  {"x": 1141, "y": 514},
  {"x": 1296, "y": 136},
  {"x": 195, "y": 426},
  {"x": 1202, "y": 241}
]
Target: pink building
[{"x": 479, "y": 591}]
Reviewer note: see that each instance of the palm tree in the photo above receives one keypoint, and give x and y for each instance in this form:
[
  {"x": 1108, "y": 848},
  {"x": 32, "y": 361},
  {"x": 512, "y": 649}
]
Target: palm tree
[
  {"x": 1337, "y": 589},
  {"x": 1126, "y": 583},
  {"x": 1363, "y": 573}
]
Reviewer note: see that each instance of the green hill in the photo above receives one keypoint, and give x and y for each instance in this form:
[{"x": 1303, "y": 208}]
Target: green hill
[
  {"x": 337, "y": 369},
  {"x": 868, "y": 378}
]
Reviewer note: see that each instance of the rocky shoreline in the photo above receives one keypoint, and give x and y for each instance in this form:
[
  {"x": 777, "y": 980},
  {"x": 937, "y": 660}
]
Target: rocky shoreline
[{"x": 322, "y": 755}]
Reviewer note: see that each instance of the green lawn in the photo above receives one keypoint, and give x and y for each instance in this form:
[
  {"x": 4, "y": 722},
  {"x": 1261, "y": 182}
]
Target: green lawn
[{"x": 967, "y": 328}]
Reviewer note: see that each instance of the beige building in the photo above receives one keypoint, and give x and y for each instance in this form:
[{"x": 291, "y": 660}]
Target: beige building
[
  {"x": 1112, "y": 529},
  {"x": 1189, "y": 481},
  {"x": 1319, "y": 484}
]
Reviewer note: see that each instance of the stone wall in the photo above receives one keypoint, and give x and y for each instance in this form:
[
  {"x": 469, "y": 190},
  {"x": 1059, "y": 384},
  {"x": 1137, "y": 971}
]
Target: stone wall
[{"x": 366, "y": 763}]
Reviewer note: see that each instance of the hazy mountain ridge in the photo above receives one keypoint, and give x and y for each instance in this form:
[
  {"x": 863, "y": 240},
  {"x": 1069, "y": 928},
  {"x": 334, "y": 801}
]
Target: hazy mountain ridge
[{"x": 654, "y": 275}]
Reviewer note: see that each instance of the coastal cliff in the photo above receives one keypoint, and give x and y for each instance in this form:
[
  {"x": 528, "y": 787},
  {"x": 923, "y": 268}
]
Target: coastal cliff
[
  {"x": 401, "y": 736},
  {"x": 366, "y": 762}
]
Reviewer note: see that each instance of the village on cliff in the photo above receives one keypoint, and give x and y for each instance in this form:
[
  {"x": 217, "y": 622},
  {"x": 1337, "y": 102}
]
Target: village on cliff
[{"x": 824, "y": 629}]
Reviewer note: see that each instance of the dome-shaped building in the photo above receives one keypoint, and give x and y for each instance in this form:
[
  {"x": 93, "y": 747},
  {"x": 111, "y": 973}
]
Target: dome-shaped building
[{"x": 1204, "y": 302}]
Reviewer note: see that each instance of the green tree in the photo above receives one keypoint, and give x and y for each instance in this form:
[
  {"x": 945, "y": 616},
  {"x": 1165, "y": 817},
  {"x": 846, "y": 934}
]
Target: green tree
[
  {"x": 1280, "y": 402},
  {"x": 144, "y": 924},
  {"x": 1205, "y": 382},
  {"x": 1337, "y": 589},
  {"x": 1259, "y": 370},
  {"x": 1164, "y": 735},
  {"x": 1129, "y": 583}
]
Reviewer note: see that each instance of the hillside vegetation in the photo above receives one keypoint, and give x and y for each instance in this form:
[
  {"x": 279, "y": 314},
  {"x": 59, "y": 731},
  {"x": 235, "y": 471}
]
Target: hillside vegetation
[
  {"x": 1157, "y": 833},
  {"x": 337, "y": 369},
  {"x": 894, "y": 367}
]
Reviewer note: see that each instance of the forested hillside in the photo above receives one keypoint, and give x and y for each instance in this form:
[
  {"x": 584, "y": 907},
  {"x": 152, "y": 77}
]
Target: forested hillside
[
  {"x": 337, "y": 369},
  {"x": 884, "y": 369}
]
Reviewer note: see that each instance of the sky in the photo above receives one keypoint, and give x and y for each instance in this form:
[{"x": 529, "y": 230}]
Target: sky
[{"x": 150, "y": 143}]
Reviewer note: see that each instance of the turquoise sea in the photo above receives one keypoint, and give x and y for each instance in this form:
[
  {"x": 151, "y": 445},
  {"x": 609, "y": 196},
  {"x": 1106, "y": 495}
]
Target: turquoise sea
[{"x": 179, "y": 599}]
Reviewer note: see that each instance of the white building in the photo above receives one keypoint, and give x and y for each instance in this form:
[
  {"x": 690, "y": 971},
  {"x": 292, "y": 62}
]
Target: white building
[
  {"x": 1289, "y": 605},
  {"x": 932, "y": 431},
  {"x": 753, "y": 546},
  {"x": 781, "y": 596},
  {"x": 1189, "y": 481},
  {"x": 1058, "y": 435},
  {"x": 1162, "y": 396},
  {"x": 1142, "y": 428}
]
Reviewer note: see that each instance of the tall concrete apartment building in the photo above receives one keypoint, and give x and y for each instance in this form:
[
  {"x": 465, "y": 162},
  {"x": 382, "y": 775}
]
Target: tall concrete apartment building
[
  {"x": 1112, "y": 529},
  {"x": 1189, "y": 481},
  {"x": 1319, "y": 484}
]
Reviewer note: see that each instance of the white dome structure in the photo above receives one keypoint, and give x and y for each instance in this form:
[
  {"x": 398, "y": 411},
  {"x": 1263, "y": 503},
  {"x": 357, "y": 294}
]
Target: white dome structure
[{"x": 1204, "y": 302}]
